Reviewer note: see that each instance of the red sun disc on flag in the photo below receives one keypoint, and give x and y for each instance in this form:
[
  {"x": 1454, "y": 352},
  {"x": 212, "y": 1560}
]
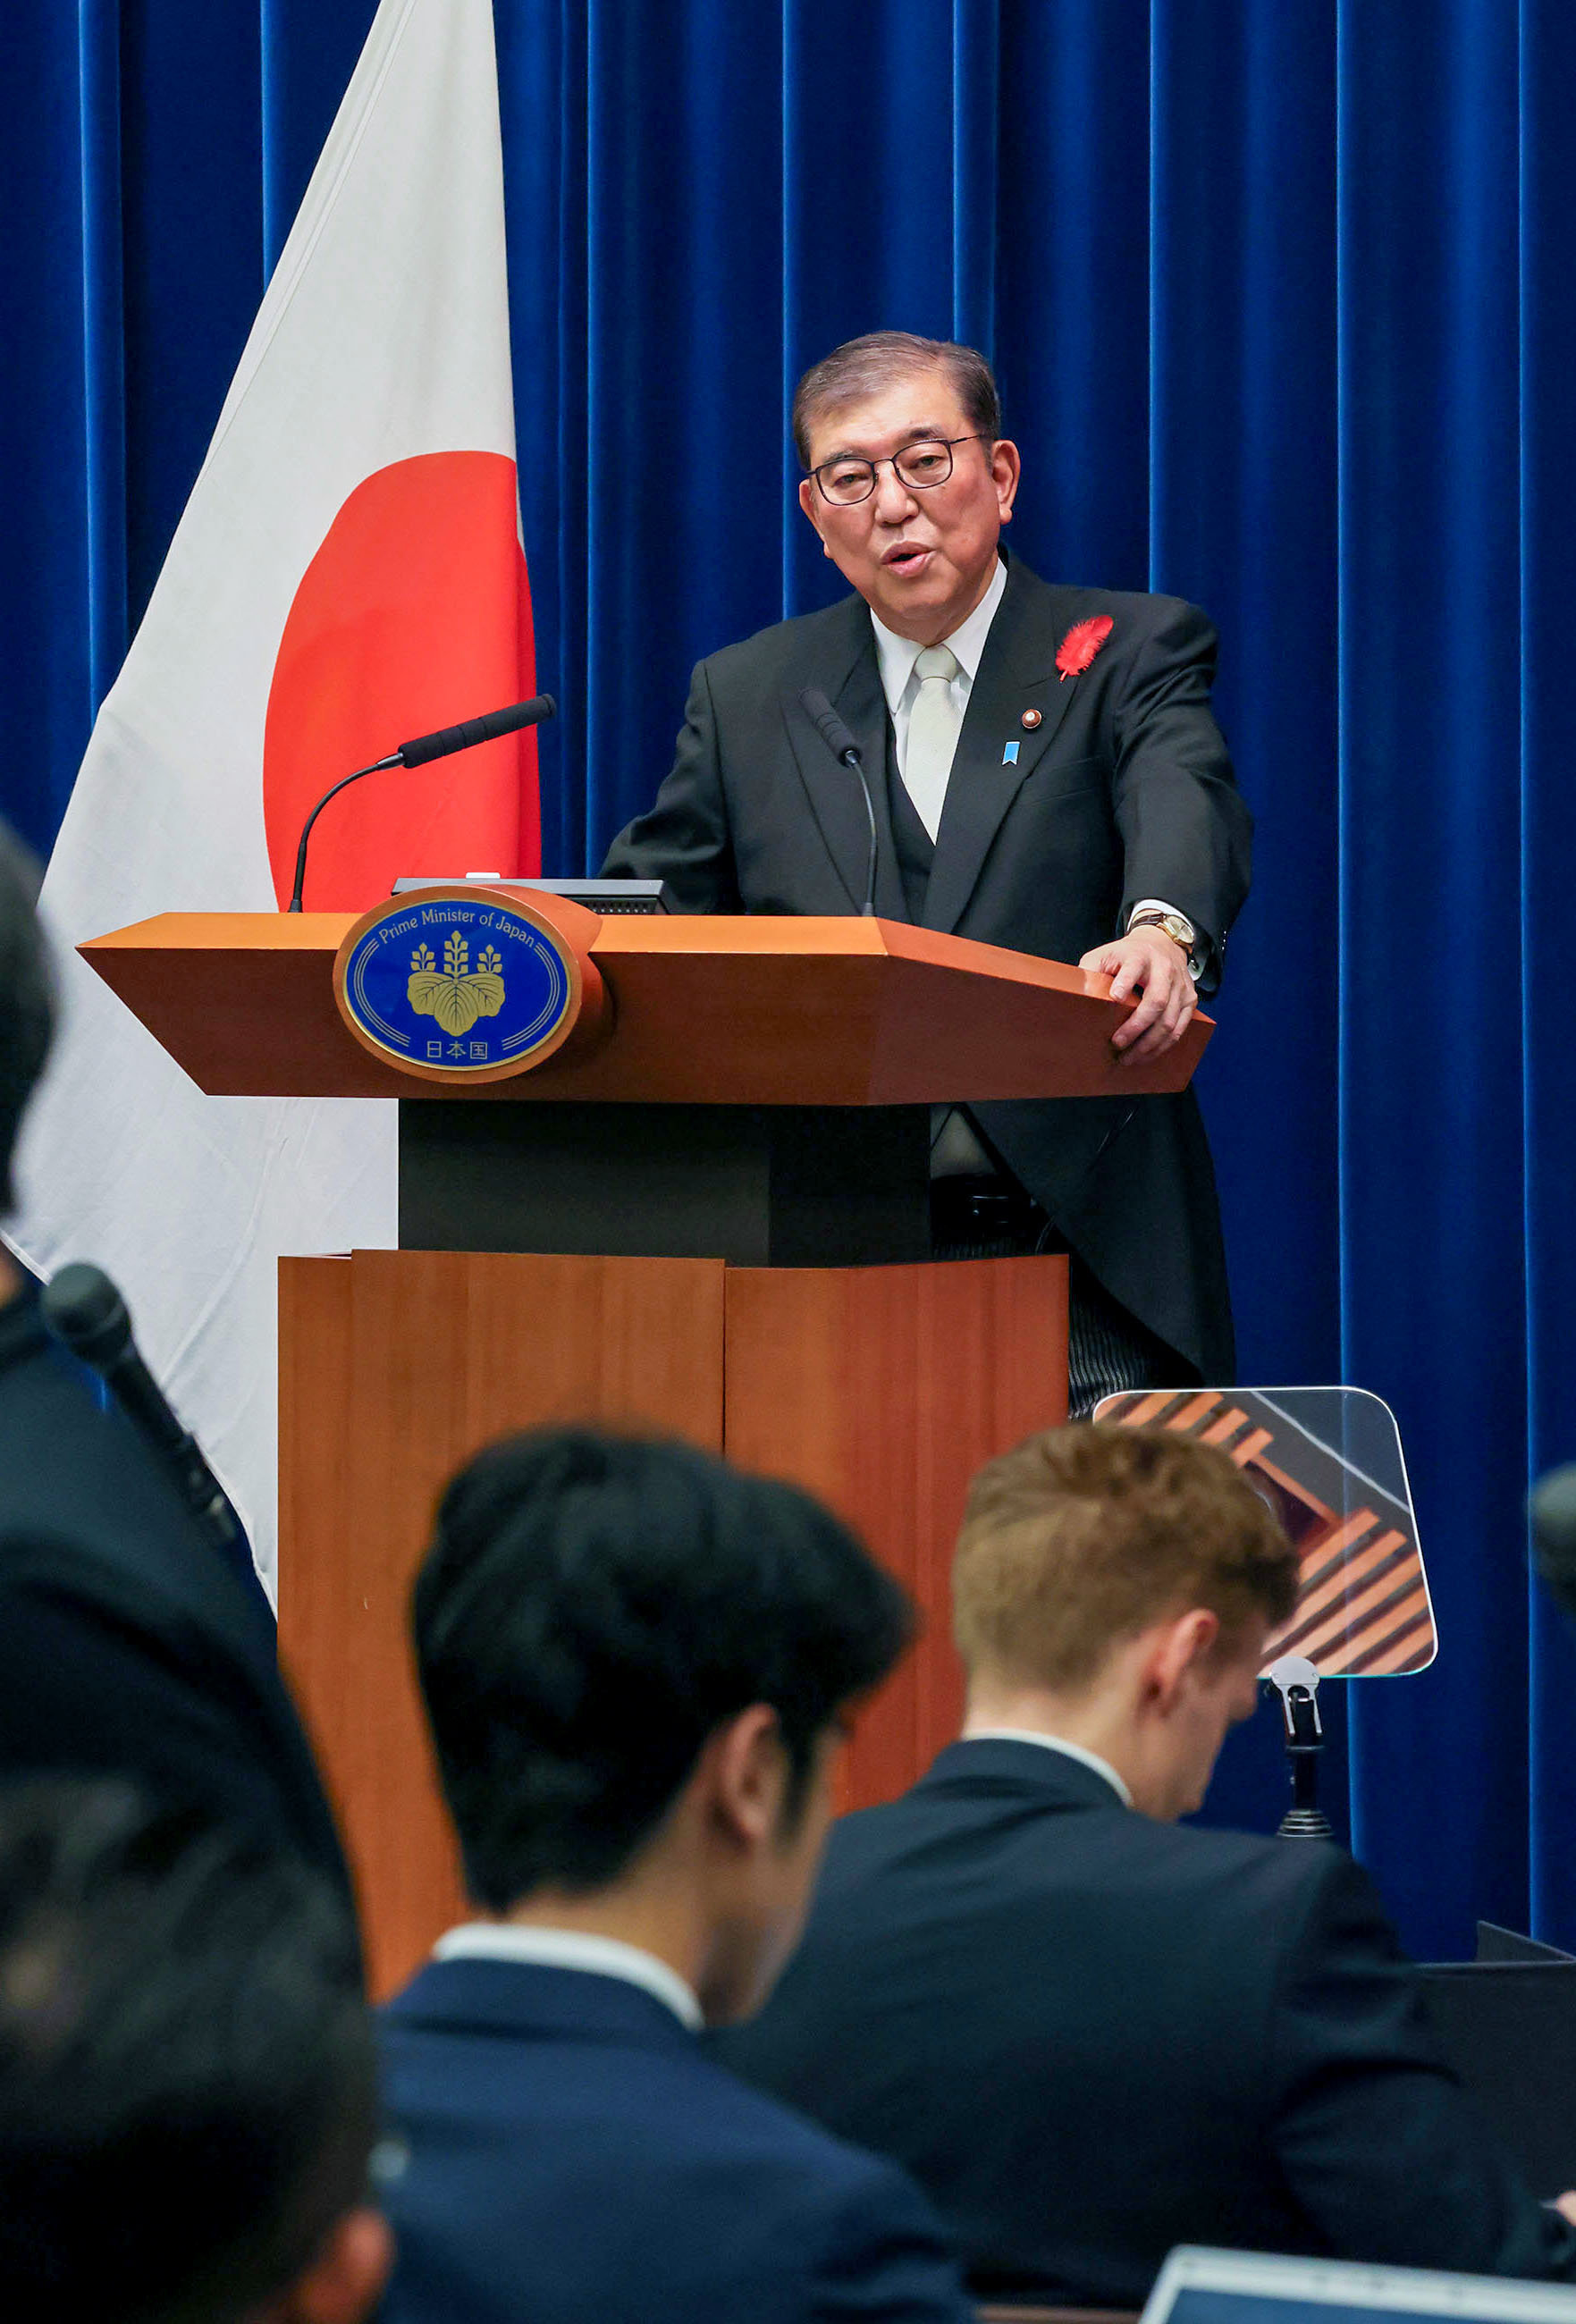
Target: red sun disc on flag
[{"x": 414, "y": 613}]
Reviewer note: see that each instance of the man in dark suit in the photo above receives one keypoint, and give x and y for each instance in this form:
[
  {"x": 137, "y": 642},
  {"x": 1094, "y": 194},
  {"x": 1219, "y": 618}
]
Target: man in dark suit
[
  {"x": 1046, "y": 776},
  {"x": 636, "y": 1664},
  {"x": 127, "y": 1645},
  {"x": 1093, "y": 2033}
]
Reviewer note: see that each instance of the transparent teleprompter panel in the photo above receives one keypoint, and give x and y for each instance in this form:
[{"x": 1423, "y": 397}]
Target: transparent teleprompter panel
[{"x": 1329, "y": 1462}]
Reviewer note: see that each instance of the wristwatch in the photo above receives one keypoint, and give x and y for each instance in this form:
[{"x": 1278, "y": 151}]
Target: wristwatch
[{"x": 1181, "y": 931}]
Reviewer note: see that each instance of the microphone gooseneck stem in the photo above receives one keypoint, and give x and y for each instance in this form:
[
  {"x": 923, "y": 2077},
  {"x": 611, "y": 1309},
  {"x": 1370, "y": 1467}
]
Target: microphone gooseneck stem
[
  {"x": 847, "y": 754},
  {"x": 393, "y": 760},
  {"x": 868, "y": 909}
]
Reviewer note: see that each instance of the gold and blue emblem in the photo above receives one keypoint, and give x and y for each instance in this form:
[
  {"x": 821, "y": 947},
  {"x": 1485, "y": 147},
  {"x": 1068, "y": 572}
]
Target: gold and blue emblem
[{"x": 458, "y": 985}]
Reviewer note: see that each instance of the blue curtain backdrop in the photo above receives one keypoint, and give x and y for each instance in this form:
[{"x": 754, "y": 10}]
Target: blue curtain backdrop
[{"x": 1280, "y": 301}]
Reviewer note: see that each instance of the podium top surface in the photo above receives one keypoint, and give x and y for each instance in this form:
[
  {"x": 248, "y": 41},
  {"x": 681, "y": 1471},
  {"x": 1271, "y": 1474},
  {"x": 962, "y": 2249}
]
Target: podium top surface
[{"x": 723, "y": 1012}]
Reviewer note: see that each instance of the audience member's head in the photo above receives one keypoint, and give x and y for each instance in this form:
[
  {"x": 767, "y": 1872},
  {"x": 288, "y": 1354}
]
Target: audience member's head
[
  {"x": 1118, "y": 1585},
  {"x": 27, "y": 1001},
  {"x": 637, "y": 1662},
  {"x": 188, "y": 2100}
]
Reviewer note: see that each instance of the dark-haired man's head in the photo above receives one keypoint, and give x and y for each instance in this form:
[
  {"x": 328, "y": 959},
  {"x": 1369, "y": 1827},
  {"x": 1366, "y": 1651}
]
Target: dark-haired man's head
[
  {"x": 27, "y": 1001},
  {"x": 188, "y": 2100},
  {"x": 636, "y": 1661},
  {"x": 1117, "y": 1587}
]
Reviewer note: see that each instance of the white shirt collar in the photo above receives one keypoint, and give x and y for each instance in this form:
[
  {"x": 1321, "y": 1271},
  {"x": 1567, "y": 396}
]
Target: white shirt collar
[
  {"x": 1054, "y": 1743},
  {"x": 509, "y": 1940},
  {"x": 898, "y": 656}
]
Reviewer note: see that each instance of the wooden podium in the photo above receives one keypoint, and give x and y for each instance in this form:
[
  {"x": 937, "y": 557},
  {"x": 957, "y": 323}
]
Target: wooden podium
[{"x": 709, "y": 1218}]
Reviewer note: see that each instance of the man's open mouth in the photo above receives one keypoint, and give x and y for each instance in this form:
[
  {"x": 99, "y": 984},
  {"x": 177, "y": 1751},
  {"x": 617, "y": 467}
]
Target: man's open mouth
[{"x": 906, "y": 557}]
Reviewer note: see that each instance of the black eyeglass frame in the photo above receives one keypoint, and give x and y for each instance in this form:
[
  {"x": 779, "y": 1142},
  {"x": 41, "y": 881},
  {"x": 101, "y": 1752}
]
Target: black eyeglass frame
[{"x": 891, "y": 461}]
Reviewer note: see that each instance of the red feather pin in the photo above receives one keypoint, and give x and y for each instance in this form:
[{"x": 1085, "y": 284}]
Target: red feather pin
[{"x": 1081, "y": 643}]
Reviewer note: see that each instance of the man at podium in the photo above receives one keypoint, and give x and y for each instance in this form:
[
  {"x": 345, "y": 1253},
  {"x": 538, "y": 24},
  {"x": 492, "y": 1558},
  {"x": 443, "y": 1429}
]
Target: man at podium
[{"x": 1046, "y": 774}]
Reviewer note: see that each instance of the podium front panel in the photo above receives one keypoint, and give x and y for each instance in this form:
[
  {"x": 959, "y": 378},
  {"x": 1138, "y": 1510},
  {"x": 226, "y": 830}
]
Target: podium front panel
[{"x": 882, "y": 1389}]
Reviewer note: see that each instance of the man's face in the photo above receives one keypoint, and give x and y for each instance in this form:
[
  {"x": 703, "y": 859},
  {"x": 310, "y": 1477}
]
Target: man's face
[
  {"x": 921, "y": 559},
  {"x": 1217, "y": 1691}
]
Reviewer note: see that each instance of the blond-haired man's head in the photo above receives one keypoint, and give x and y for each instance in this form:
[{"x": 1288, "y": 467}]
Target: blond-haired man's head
[{"x": 1115, "y": 1588}]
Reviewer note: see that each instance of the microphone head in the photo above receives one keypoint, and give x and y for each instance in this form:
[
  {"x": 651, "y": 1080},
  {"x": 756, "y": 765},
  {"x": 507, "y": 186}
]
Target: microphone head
[
  {"x": 1551, "y": 1506},
  {"x": 86, "y": 1314},
  {"x": 830, "y": 726}
]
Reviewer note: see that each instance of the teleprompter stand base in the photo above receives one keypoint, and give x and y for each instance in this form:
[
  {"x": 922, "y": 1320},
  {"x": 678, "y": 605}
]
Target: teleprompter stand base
[{"x": 882, "y": 1389}]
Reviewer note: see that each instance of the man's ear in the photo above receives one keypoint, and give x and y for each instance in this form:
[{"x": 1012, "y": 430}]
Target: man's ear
[
  {"x": 1178, "y": 1647},
  {"x": 747, "y": 1775},
  {"x": 808, "y": 503},
  {"x": 345, "y": 2281},
  {"x": 1006, "y": 469}
]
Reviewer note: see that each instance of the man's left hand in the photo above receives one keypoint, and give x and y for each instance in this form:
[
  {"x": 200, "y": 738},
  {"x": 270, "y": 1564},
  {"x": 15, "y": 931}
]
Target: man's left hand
[{"x": 1145, "y": 961}]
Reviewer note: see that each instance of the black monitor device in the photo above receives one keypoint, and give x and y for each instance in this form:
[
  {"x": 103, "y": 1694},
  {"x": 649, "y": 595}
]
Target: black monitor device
[
  {"x": 604, "y": 895},
  {"x": 1506, "y": 2023}
]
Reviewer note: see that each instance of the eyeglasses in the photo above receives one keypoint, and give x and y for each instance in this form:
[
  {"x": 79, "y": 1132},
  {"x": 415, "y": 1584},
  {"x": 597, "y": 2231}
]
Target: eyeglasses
[{"x": 846, "y": 483}]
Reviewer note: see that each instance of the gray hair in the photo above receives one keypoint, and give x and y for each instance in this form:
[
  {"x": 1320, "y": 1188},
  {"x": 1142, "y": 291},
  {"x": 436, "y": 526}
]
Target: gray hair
[{"x": 862, "y": 368}]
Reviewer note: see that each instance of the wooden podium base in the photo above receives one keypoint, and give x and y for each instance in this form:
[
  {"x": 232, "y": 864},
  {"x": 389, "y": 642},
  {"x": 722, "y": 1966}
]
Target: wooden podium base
[{"x": 882, "y": 1389}]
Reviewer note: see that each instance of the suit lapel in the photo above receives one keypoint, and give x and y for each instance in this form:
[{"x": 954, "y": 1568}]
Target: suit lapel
[
  {"x": 1016, "y": 673},
  {"x": 851, "y": 680}
]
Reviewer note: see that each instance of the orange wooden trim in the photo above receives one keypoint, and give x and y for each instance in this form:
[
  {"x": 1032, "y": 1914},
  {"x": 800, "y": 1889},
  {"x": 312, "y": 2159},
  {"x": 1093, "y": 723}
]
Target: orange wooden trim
[
  {"x": 1230, "y": 1421},
  {"x": 1198, "y": 1408},
  {"x": 1384, "y": 1595},
  {"x": 1326, "y": 1579},
  {"x": 744, "y": 1010},
  {"x": 1293, "y": 1491}
]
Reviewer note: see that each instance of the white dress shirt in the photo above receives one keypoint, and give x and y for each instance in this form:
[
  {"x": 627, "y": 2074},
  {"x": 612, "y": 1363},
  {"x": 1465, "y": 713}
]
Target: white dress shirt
[
  {"x": 1054, "y": 1743},
  {"x": 510, "y": 1940}
]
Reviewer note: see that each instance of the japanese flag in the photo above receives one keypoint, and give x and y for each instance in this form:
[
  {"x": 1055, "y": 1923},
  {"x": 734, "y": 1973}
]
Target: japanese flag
[{"x": 347, "y": 573}]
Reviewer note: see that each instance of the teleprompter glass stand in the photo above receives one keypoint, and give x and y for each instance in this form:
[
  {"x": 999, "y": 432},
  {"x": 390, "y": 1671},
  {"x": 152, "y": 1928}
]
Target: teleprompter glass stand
[{"x": 1328, "y": 1463}]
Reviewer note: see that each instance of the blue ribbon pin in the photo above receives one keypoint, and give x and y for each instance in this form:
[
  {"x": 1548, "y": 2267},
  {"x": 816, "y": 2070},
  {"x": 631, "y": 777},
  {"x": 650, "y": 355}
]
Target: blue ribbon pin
[{"x": 1010, "y": 754}]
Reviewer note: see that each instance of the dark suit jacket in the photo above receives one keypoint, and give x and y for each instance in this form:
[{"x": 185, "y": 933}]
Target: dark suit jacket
[
  {"x": 1092, "y": 2036},
  {"x": 1123, "y": 791},
  {"x": 128, "y": 1646},
  {"x": 574, "y": 2158}
]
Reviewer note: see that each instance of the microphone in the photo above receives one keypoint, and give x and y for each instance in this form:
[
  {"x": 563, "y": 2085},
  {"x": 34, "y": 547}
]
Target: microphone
[
  {"x": 439, "y": 745},
  {"x": 844, "y": 748},
  {"x": 87, "y": 1315},
  {"x": 1551, "y": 1506}
]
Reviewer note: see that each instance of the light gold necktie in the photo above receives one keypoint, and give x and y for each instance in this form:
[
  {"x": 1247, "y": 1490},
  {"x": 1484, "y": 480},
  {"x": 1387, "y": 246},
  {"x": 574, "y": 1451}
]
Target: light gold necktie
[{"x": 932, "y": 734}]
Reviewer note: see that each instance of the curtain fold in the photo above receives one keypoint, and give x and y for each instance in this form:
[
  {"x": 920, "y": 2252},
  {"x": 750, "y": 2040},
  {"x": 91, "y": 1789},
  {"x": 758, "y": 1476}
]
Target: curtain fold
[{"x": 1278, "y": 296}]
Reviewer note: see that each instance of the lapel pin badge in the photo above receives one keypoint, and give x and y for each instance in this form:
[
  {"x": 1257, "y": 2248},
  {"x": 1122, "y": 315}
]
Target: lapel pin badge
[
  {"x": 1031, "y": 719},
  {"x": 1010, "y": 753}
]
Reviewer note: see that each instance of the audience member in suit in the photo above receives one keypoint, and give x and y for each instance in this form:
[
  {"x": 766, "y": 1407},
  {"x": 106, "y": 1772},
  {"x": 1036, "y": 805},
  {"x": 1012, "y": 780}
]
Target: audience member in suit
[
  {"x": 1093, "y": 2033},
  {"x": 636, "y": 1664},
  {"x": 188, "y": 2077},
  {"x": 127, "y": 1645}
]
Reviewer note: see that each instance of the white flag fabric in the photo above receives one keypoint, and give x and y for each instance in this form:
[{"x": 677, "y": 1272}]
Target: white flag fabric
[{"x": 302, "y": 612}]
